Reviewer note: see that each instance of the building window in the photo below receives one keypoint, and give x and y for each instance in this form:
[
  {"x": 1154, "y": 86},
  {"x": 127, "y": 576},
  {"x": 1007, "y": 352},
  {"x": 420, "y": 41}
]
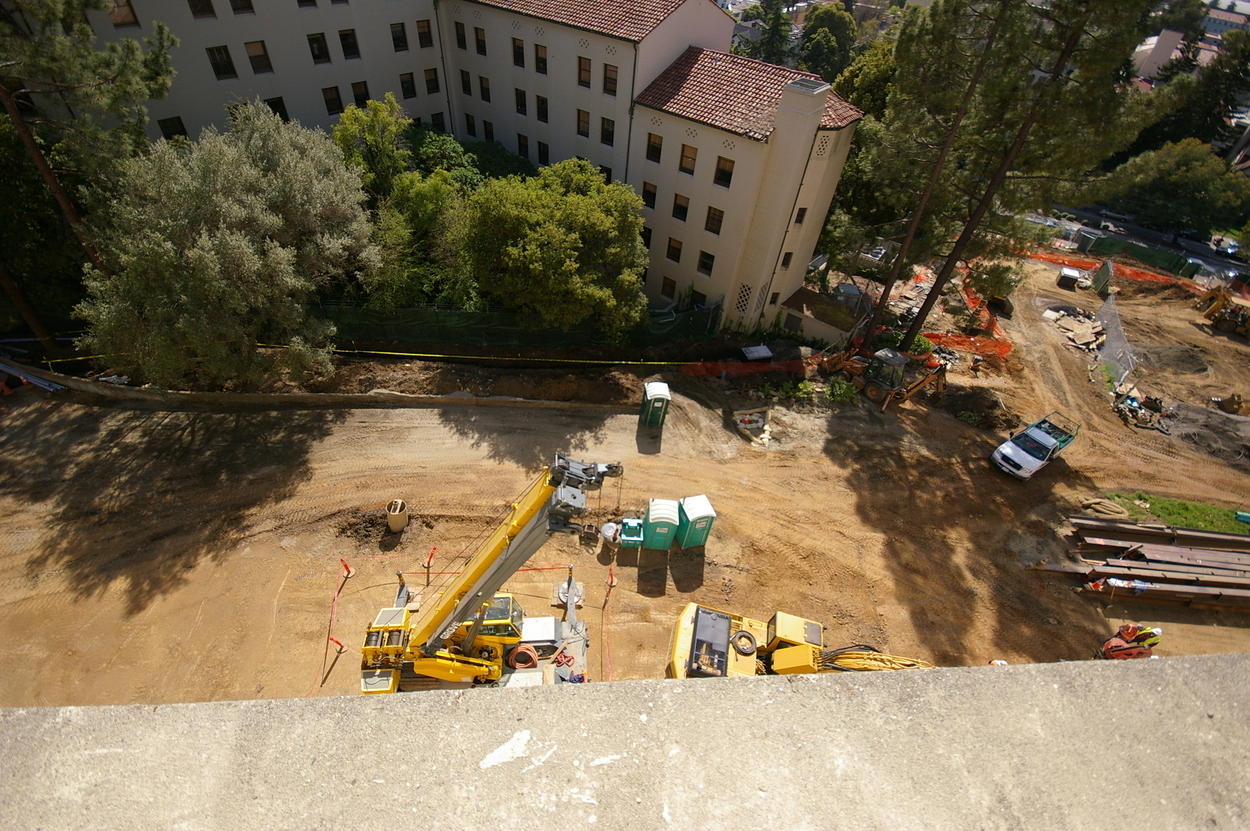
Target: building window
[
  {"x": 773, "y": 298},
  {"x": 706, "y": 261},
  {"x": 399, "y": 37},
  {"x": 488, "y": 130},
  {"x": 544, "y": 155},
  {"x": 654, "y": 145},
  {"x": 698, "y": 299},
  {"x": 201, "y": 8},
  {"x": 259, "y": 56},
  {"x": 540, "y": 59},
  {"x": 540, "y": 104},
  {"x": 646, "y": 237},
  {"x": 607, "y": 131},
  {"x": 688, "y": 156},
  {"x": 479, "y": 39},
  {"x": 318, "y": 47},
  {"x": 800, "y": 216},
  {"x": 338, "y": 2},
  {"x": 466, "y": 82},
  {"x": 681, "y": 207},
  {"x": 461, "y": 40},
  {"x": 520, "y": 101},
  {"x": 307, "y": 4},
  {"x": 522, "y": 146},
  {"x": 609, "y": 79},
  {"x": 674, "y": 250},
  {"x": 436, "y": 121},
  {"x": 360, "y": 93},
  {"x": 785, "y": 259},
  {"x": 123, "y": 14},
  {"x": 470, "y": 125},
  {"x": 715, "y": 216},
  {"x": 347, "y": 39},
  {"x": 431, "y": 81},
  {"x": 648, "y": 194},
  {"x": 583, "y": 123},
  {"x": 793, "y": 323},
  {"x": 334, "y": 104},
  {"x": 171, "y": 127},
  {"x": 518, "y": 52},
  {"x": 583, "y": 72},
  {"x": 278, "y": 106},
  {"x": 724, "y": 171},
  {"x": 425, "y": 38},
  {"x": 407, "y": 85},
  {"x": 668, "y": 288},
  {"x": 242, "y": 7},
  {"x": 223, "y": 66},
  {"x": 483, "y": 87}
]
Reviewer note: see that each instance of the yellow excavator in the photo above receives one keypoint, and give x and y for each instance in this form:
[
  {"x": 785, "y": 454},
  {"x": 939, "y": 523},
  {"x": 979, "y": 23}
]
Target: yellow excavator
[
  {"x": 467, "y": 631},
  {"x": 883, "y": 377},
  {"x": 710, "y": 643},
  {"x": 1226, "y": 312}
]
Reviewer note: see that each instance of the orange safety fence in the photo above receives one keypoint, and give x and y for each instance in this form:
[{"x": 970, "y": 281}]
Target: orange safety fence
[
  {"x": 1128, "y": 272},
  {"x": 989, "y": 347}
]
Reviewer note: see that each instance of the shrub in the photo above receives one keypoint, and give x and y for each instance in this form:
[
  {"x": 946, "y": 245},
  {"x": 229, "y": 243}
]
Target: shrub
[{"x": 840, "y": 391}]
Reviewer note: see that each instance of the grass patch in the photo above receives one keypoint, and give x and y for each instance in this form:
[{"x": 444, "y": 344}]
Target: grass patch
[{"x": 1179, "y": 513}]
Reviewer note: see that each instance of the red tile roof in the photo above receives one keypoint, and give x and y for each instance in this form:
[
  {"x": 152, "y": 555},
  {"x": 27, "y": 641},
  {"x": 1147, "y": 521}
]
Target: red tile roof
[
  {"x": 732, "y": 93},
  {"x": 625, "y": 19}
]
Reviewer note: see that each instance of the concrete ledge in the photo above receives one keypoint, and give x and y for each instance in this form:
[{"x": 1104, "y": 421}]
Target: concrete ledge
[
  {"x": 1137, "y": 744},
  {"x": 100, "y": 393}
]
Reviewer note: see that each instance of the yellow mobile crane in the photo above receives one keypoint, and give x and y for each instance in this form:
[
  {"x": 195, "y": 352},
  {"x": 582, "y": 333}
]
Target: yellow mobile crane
[
  {"x": 463, "y": 633},
  {"x": 709, "y": 643}
]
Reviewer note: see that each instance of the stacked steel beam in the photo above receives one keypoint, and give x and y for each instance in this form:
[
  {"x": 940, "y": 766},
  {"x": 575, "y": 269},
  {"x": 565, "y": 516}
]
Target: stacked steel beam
[{"x": 1159, "y": 562}]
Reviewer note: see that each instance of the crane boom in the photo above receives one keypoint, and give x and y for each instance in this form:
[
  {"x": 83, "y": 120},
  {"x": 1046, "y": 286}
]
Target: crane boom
[{"x": 423, "y": 640}]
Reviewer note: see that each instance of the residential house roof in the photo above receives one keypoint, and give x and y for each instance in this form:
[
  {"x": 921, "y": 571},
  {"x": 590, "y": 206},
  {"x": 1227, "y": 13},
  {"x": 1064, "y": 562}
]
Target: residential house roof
[
  {"x": 732, "y": 93},
  {"x": 1235, "y": 18},
  {"x": 625, "y": 19}
]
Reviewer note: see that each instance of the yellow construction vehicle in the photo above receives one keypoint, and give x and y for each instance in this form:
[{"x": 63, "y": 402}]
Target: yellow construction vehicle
[
  {"x": 468, "y": 629},
  {"x": 1226, "y": 312},
  {"x": 883, "y": 376},
  {"x": 710, "y": 643}
]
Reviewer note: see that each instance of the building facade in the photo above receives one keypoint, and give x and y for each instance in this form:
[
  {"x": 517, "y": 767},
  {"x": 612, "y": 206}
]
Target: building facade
[{"x": 736, "y": 160}]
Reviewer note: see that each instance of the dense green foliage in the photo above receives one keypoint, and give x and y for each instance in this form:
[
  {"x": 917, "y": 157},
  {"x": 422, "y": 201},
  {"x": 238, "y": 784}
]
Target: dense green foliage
[
  {"x": 1203, "y": 103},
  {"x": 828, "y": 36},
  {"x": 1182, "y": 186},
  {"x": 867, "y": 81},
  {"x": 216, "y": 245},
  {"x": 564, "y": 247},
  {"x": 372, "y": 141}
]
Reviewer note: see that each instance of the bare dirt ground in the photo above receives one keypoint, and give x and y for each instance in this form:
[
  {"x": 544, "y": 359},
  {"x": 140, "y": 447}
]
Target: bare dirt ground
[{"x": 178, "y": 556}]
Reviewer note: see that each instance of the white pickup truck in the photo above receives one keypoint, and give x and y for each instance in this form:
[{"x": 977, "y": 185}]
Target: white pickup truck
[{"x": 1029, "y": 450}]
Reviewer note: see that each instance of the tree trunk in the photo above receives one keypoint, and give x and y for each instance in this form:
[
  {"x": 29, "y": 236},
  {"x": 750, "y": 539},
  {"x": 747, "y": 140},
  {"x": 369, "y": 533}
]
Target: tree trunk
[
  {"x": 995, "y": 183},
  {"x": 900, "y": 259},
  {"x": 49, "y": 178},
  {"x": 14, "y": 291}
]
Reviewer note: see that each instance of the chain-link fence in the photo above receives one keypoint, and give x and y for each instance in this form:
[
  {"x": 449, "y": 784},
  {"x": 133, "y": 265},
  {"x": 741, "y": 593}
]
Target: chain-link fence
[{"x": 1116, "y": 353}]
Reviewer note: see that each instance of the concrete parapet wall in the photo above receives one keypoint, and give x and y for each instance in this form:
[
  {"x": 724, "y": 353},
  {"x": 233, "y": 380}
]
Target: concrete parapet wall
[{"x": 1099, "y": 745}]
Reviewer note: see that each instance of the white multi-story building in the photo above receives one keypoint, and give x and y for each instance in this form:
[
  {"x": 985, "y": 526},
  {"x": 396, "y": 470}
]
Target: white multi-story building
[{"x": 736, "y": 160}]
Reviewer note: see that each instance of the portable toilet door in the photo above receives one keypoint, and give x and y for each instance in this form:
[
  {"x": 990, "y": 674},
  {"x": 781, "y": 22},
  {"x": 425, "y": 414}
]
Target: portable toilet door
[
  {"x": 695, "y": 521},
  {"x": 661, "y": 526},
  {"x": 655, "y": 401}
]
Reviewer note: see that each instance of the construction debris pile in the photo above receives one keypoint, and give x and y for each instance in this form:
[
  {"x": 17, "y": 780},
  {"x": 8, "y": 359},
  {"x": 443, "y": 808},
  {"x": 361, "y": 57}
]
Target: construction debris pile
[
  {"x": 1147, "y": 412},
  {"x": 1082, "y": 330},
  {"x": 1157, "y": 562}
]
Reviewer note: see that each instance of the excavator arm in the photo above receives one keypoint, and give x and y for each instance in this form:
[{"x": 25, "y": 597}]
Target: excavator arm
[{"x": 548, "y": 506}]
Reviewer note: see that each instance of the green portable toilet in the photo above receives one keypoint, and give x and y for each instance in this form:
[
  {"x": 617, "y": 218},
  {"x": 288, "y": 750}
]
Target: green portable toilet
[
  {"x": 695, "y": 521},
  {"x": 661, "y": 526},
  {"x": 655, "y": 401},
  {"x": 631, "y": 533}
]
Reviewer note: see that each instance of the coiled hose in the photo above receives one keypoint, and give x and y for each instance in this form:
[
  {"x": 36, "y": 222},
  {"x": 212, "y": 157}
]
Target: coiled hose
[{"x": 863, "y": 658}]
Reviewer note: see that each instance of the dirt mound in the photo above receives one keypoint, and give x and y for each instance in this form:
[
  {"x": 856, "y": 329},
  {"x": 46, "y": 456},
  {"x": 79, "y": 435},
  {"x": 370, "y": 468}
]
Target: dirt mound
[
  {"x": 980, "y": 407},
  {"x": 1187, "y": 360},
  {"x": 594, "y": 385},
  {"x": 1135, "y": 290},
  {"x": 1224, "y": 436}
]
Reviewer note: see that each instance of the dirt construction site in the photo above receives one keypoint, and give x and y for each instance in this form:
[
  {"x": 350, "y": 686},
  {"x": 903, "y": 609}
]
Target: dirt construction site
[{"x": 151, "y": 556}]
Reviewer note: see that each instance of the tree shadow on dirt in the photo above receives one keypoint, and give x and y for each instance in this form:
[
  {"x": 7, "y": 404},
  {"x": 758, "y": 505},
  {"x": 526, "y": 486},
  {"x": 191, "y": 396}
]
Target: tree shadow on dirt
[
  {"x": 525, "y": 436},
  {"x": 954, "y": 530},
  {"x": 141, "y": 497}
]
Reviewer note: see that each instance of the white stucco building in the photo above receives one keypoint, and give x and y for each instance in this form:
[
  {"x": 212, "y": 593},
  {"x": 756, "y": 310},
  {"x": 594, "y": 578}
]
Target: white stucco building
[{"x": 736, "y": 160}]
